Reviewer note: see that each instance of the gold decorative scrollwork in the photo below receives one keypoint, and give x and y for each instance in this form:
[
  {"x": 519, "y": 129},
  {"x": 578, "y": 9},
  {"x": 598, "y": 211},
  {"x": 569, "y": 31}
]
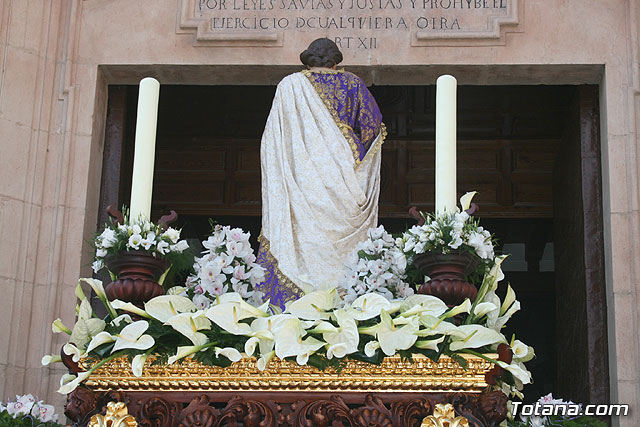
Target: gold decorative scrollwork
[
  {"x": 444, "y": 416},
  {"x": 117, "y": 416}
]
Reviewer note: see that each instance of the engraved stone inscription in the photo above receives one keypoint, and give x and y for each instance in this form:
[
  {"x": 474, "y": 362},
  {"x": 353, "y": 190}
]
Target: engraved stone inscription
[{"x": 353, "y": 24}]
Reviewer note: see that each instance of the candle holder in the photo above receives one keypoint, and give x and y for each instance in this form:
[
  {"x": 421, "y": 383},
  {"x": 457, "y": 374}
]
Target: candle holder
[
  {"x": 447, "y": 273},
  {"x": 137, "y": 272}
]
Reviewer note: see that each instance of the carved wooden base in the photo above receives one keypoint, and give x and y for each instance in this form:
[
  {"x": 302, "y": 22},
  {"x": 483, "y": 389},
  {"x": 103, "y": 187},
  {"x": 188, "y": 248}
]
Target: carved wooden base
[{"x": 295, "y": 409}]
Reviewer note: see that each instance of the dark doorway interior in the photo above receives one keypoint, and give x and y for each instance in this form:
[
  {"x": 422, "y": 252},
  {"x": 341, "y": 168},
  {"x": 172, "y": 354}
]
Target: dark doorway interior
[{"x": 510, "y": 142}]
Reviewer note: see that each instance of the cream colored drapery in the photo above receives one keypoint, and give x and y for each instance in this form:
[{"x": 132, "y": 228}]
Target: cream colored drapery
[{"x": 317, "y": 204}]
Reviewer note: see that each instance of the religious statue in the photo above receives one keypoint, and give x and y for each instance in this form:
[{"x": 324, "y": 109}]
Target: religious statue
[{"x": 320, "y": 158}]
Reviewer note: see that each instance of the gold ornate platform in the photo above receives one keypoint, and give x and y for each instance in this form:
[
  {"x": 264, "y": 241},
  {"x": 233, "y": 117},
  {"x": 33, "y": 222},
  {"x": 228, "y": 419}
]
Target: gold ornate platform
[{"x": 393, "y": 375}]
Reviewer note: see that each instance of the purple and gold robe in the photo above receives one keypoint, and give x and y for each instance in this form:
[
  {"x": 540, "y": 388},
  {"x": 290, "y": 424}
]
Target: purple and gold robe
[{"x": 320, "y": 157}]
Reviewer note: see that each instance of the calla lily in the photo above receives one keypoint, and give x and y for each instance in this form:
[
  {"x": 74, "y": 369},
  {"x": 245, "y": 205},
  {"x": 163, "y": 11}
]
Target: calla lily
[
  {"x": 122, "y": 318},
  {"x": 465, "y": 201},
  {"x": 188, "y": 324},
  {"x": 496, "y": 319},
  {"x": 80, "y": 293},
  {"x": 465, "y": 307},
  {"x": 483, "y": 308},
  {"x": 345, "y": 341},
  {"x": 392, "y": 338},
  {"x": 429, "y": 344},
  {"x": 71, "y": 350},
  {"x": 98, "y": 340},
  {"x": 289, "y": 342},
  {"x": 368, "y": 306},
  {"x": 522, "y": 352},
  {"x": 264, "y": 360},
  {"x": 229, "y": 352},
  {"x": 74, "y": 383},
  {"x": 245, "y": 310},
  {"x": 475, "y": 336},
  {"x": 227, "y": 317},
  {"x": 176, "y": 290},
  {"x": 165, "y": 307},
  {"x": 509, "y": 299},
  {"x": 86, "y": 326},
  {"x": 96, "y": 285},
  {"x": 131, "y": 336},
  {"x": 57, "y": 326},
  {"x": 436, "y": 326},
  {"x": 129, "y": 307},
  {"x": 423, "y": 304},
  {"x": 50, "y": 358},
  {"x": 314, "y": 306},
  {"x": 517, "y": 370},
  {"x": 186, "y": 351},
  {"x": 491, "y": 279},
  {"x": 137, "y": 364},
  {"x": 371, "y": 347}
]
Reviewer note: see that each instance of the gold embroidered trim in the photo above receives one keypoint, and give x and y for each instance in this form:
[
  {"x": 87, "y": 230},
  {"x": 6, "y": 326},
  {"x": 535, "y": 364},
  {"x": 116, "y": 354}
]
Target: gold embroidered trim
[
  {"x": 344, "y": 128},
  {"x": 308, "y": 72},
  {"x": 294, "y": 291},
  {"x": 378, "y": 144}
]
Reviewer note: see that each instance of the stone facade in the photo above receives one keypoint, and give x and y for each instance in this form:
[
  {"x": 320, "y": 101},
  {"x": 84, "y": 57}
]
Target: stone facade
[{"x": 57, "y": 58}]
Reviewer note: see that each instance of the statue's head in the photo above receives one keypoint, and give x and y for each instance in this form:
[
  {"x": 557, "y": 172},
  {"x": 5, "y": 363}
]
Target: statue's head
[{"x": 321, "y": 53}]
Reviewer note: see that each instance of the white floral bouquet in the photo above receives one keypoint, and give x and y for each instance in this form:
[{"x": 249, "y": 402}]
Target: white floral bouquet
[
  {"x": 25, "y": 410},
  {"x": 448, "y": 233},
  {"x": 228, "y": 264},
  {"x": 376, "y": 266},
  {"x": 137, "y": 235}
]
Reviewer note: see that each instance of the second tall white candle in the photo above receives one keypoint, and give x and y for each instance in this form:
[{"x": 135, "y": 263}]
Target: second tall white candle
[
  {"x": 446, "y": 144},
  {"x": 145, "y": 149}
]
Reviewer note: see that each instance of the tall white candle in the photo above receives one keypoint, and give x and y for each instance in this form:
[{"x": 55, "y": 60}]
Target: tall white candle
[
  {"x": 145, "y": 149},
  {"x": 446, "y": 144}
]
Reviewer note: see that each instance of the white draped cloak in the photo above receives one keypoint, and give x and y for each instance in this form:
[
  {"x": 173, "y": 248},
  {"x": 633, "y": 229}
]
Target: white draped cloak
[{"x": 317, "y": 201}]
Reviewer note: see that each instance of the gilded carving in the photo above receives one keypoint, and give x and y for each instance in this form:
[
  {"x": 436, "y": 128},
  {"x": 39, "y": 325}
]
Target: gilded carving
[
  {"x": 444, "y": 416},
  {"x": 117, "y": 416},
  {"x": 394, "y": 374}
]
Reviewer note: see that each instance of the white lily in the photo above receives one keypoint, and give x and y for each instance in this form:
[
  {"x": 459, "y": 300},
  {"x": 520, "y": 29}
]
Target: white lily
[
  {"x": 522, "y": 352},
  {"x": 483, "y": 308},
  {"x": 345, "y": 340},
  {"x": 57, "y": 327},
  {"x": 185, "y": 351},
  {"x": 68, "y": 387},
  {"x": 227, "y": 316},
  {"x": 264, "y": 360},
  {"x": 131, "y": 336},
  {"x": 436, "y": 326},
  {"x": 314, "y": 306},
  {"x": 229, "y": 352},
  {"x": 129, "y": 307},
  {"x": 48, "y": 359},
  {"x": 122, "y": 318},
  {"x": 98, "y": 340},
  {"x": 429, "y": 344},
  {"x": 491, "y": 278},
  {"x": 73, "y": 351},
  {"x": 423, "y": 304},
  {"x": 371, "y": 347},
  {"x": 188, "y": 324},
  {"x": 97, "y": 287},
  {"x": 518, "y": 370},
  {"x": 465, "y": 200},
  {"x": 137, "y": 364},
  {"x": 392, "y": 338},
  {"x": 509, "y": 299},
  {"x": 475, "y": 336},
  {"x": 164, "y": 307},
  {"x": 245, "y": 310},
  {"x": 368, "y": 306},
  {"x": 465, "y": 307},
  {"x": 289, "y": 342},
  {"x": 496, "y": 319},
  {"x": 86, "y": 326}
]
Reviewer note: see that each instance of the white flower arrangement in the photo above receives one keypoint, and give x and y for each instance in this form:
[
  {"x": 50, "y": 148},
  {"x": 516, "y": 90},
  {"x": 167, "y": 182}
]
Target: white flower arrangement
[
  {"x": 137, "y": 235},
  {"x": 376, "y": 266},
  {"x": 29, "y": 406},
  {"x": 447, "y": 233},
  {"x": 227, "y": 265}
]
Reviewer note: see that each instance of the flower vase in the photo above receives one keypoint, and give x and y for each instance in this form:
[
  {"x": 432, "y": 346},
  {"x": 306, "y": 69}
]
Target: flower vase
[
  {"x": 137, "y": 274},
  {"x": 447, "y": 276}
]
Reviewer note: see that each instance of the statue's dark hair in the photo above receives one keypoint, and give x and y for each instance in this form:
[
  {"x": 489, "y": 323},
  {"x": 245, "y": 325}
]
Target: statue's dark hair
[{"x": 321, "y": 53}]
